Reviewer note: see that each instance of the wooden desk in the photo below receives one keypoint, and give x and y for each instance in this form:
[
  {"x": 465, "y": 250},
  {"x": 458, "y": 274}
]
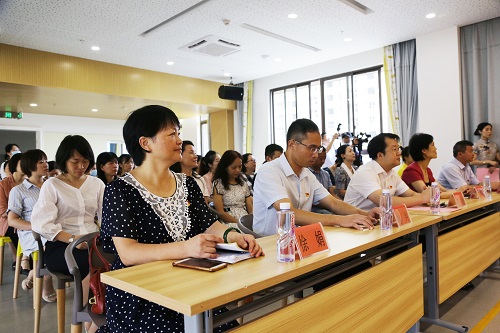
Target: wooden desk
[
  {"x": 459, "y": 248},
  {"x": 187, "y": 290}
]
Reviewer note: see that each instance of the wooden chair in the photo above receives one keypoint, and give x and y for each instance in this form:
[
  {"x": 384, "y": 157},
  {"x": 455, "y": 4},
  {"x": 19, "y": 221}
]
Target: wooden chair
[
  {"x": 3, "y": 240},
  {"x": 82, "y": 313},
  {"x": 245, "y": 223},
  {"x": 41, "y": 271}
]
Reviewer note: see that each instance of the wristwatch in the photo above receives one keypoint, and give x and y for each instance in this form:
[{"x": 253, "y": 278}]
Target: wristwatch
[{"x": 71, "y": 239}]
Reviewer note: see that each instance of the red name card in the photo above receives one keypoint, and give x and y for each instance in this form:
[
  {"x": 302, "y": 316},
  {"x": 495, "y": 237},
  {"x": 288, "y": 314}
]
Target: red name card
[
  {"x": 457, "y": 200},
  {"x": 477, "y": 192},
  {"x": 310, "y": 239},
  {"x": 401, "y": 215}
]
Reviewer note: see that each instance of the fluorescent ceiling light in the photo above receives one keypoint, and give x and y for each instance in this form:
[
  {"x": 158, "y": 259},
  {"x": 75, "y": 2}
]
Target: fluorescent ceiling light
[
  {"x": 95, "y": 48},
  {"x": 277, "y": 59},
  {"x": 170, "y": 63},
  {"x": 94, "y": 110},
  {"x": 430, "y": 15},
  {"x": 227, "y": 74},
  {"x": 292, "y": 16},
  {"x": 33, "y": 104},
  {"x": 348, "y": 39}
]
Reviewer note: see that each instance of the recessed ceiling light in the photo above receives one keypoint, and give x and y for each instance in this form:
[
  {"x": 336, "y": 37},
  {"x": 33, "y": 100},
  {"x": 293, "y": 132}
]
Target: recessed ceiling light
[
  {"x": 348, "y": 39},
  {"x": 227, "y": 74},
  {"x": 94, "y": 110},
  {"x": 170, "y": 63},
  {"x": 292, "y": 16},
  {"x": 277, "y": 59},
  {"x": 431, "y": 15},
  {"x": 95, "y": 48},
  {"x": 33, "y": 104}
]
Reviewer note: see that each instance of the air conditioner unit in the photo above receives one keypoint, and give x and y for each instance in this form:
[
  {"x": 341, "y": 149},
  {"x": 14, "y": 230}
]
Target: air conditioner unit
[{"x": 213, "y": 46}]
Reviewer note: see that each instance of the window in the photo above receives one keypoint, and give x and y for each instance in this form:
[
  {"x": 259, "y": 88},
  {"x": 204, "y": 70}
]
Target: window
[
  {"x": 352, "y": 100},
  {"x": 205, "y": 135}
]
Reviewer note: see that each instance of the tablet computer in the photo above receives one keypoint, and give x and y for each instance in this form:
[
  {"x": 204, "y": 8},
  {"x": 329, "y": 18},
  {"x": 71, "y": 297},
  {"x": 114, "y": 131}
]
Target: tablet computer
[{"x": 201, "y": 264}]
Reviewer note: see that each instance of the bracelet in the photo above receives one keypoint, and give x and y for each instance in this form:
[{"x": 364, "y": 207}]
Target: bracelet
[{"x": 228, "y": 230}]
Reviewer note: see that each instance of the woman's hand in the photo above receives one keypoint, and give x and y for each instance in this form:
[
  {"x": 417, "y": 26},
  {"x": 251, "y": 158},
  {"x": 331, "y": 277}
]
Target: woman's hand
[
  {"x": 247, "y": 242},
  {"x": 203, "y": 246}
]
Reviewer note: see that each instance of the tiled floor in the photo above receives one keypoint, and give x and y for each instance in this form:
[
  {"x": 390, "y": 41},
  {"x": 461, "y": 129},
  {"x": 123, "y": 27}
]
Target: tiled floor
[{"x": 465, "y": 307}]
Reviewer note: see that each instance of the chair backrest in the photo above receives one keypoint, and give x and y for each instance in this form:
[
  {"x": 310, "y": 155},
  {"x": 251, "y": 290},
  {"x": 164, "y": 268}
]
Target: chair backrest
[
  {"x": 245, "y": 223},
  {"x": 82, "y": 313},
  {"x": 214, "y": 211}
]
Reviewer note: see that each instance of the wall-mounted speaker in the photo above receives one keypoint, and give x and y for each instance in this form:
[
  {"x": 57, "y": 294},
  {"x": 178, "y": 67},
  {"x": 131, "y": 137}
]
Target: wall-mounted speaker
[{"x": 231, "y": 92}]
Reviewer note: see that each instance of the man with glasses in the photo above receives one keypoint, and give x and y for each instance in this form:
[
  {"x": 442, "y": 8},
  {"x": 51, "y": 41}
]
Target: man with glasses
[
  {"x": 288, "y": 179},
  {"x": 366, "y": 185}
]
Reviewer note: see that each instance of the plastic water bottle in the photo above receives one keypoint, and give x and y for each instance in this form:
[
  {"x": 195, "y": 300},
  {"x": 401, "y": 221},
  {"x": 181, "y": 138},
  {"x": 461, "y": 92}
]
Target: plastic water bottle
[
  {"x": 285, "y": 226},
  {"x": 435, "y": 200},
  {"x": 487, "y": 187},
  {"x": 386, "y": 210}
]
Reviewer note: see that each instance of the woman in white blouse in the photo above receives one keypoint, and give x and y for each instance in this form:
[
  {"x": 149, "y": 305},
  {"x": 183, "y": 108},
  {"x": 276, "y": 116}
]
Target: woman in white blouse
[
  {"x": 345, "y": 169},
  {"x": 67, "y": 206}
]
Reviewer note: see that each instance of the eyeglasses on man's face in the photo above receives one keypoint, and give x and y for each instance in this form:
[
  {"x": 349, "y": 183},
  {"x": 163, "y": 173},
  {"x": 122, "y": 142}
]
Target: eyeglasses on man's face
[{"x": 312, "y": 148}]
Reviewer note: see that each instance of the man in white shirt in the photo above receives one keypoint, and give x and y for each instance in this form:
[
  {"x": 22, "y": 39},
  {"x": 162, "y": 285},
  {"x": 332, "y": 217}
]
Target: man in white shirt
[
  {"x": 458, "y": 172},
  {"x": 287, "y": 179},
  {"x": 366, "y": 185}
]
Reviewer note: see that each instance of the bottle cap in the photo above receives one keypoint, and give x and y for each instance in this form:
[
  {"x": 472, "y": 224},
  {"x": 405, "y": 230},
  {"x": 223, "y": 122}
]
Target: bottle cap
[
  {"x": 487, "y": 176},
  {"x": 434, "y": 184},
  {"x": 284, "y": 205},
  {"x": 386, "y": 191}
]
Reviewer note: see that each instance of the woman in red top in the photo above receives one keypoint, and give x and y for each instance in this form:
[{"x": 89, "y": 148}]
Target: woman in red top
[{"x": 418, "y": 176}]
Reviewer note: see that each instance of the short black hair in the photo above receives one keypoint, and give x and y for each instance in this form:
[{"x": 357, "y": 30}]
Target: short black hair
[
  {"x": 459, "y": 147},
  {"x": 480, "y": 127},
  {"x": 418, "y": 142},
  {"x": 124, "y": 158},
  {"x": 270, "y": 149},
  {"x": 300, "y": 128},
  {"x": 176, "y": 167},
  {"x": 30, "y": 159},
  {"x": 53, "y": 165},
  {"x": 146, "y": 122},
  {"x": 244, "y": 159},
  {"x": 101, "y": 160},
  {"x": 226, "y": 160},
  {"x": 71, "y": 144},
  {"x": 8, "y": 148},
  {"x": 377, "y": 144},
  {"x": 13, "y": 162}
]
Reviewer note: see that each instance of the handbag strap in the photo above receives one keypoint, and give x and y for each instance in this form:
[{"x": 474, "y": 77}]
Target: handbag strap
[{"x": 95, "y": 253}]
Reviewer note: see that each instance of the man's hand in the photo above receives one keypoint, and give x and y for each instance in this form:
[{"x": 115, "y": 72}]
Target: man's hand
[{"x": 356, "y": 221}]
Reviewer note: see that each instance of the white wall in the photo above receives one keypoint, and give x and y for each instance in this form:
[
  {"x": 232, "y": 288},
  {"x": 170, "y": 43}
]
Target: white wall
[
  {"x": 191, "y": 131},
  {"x": 261, "y": 96},
  {"x": 439, "y": 91}
]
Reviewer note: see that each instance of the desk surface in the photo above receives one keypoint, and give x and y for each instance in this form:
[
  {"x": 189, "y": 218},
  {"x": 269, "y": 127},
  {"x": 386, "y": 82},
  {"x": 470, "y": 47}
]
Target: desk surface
[
  {"x": 191, "y": 292},
  {"x": 472, "y": 204}
]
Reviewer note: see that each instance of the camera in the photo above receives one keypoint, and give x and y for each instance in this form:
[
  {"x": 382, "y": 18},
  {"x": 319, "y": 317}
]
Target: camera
[{"x": 357, "y": 144}]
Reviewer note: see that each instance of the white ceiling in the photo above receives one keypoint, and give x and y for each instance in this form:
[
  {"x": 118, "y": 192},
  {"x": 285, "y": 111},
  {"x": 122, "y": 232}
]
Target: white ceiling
[{"x": 71, "y": 27}]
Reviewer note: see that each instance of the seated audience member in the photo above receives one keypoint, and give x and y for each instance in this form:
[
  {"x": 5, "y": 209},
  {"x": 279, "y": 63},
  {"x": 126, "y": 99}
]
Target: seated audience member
[
  {"x": 366, "y": 185},
  {"x": 457, "y": 172},
  {"x": 22, "y": 198},
  {"x": 54, "y": 170},
  {"x": 188, "y": 164},
  {"x": 207, "y": 168},
  {"x": 345, "y": 169},
  {"x": 287, "y": 179},
  {"x": 322, "y": 175},
  {"x": 107, "y": 167},
  {"x": 248, "y": 169},
  {"x": 272, "y": 152},
  {"x": 407, "y": 160},
  {"x": 231, "y": 193},
  {"x": 418, "y": 176},
  {"x": 125, "y": 164},
  {"x": 154, "y": 214}
]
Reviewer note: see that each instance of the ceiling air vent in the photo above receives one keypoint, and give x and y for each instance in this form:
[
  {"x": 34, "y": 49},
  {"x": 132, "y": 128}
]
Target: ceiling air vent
[{"x": 212, "y": 45}]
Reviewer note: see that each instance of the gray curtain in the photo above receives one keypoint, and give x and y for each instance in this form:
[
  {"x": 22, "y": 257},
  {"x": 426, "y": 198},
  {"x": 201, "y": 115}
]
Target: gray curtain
[
  {"x": 480, "y": 48},
  {"x": 405, "y": 67}
]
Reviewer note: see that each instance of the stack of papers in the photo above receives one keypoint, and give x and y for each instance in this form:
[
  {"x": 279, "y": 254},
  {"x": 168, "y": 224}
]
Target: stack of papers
[{"x": 231, "y": 253}]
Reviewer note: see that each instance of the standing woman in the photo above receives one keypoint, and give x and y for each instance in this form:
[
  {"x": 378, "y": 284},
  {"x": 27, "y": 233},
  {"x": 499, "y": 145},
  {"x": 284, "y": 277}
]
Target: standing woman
[
  {"x": 6, "y": 185},
  {"x": 486, "y": 150},
  {"x": 10, "y": 150},
  {"x": 107, "y": 167},
  {"x": 345, "y": 169},
  {"x": 66, "y": 207},
  {"x": 207, "y": 168},
  {"x": 231, "y": 193},
  {"x": 22, "y": 199},
  {"x": 155, "y": 214},
  {"x": 189, "y": 162},
  {"x": 125, "y": 164}
]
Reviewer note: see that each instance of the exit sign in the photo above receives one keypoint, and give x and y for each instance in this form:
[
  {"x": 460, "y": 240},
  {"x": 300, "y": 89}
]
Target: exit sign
[{"x": 11, "y": 115}]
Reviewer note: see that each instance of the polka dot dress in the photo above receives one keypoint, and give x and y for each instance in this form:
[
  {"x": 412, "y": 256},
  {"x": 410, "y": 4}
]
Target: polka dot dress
[{"x": 131, "y": 211}]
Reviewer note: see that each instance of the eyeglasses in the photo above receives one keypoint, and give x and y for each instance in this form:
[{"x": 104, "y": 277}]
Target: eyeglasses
[{"x": 312, "y": 149}]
